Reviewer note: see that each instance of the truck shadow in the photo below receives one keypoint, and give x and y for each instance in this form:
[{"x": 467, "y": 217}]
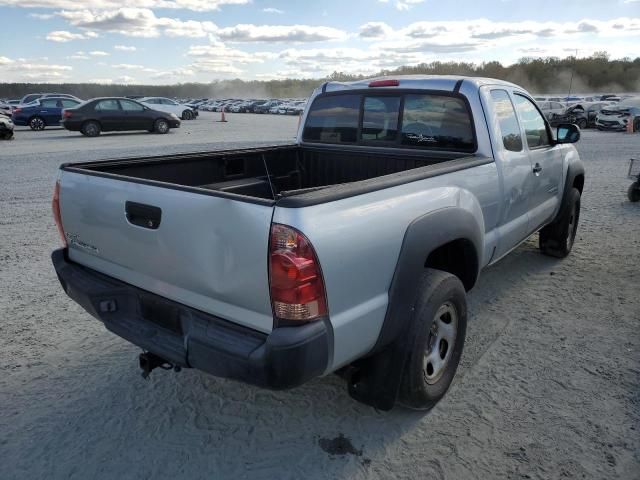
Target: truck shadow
[{"x": 105, "y": 419}]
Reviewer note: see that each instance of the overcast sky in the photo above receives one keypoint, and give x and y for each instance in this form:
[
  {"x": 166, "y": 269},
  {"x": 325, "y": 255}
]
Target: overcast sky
[{"x": 169, "y": 41}]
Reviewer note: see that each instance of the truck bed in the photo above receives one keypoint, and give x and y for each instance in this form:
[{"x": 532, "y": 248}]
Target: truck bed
[{"x": 292, "y": 169}]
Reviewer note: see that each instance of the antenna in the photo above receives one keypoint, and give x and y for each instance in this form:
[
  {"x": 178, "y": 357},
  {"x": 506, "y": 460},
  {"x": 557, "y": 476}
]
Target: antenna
[
  {"x": 264, "y": 160},
  {"x": 573, "y": 68}
]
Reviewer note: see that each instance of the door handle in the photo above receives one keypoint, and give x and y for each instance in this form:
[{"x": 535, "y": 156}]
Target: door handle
[
  {"x": 537, "y": 169},
  {"x": 146, "y": 216}
]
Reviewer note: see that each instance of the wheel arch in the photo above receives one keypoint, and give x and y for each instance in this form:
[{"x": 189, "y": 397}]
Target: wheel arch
[{"x": 450, "y": 239}]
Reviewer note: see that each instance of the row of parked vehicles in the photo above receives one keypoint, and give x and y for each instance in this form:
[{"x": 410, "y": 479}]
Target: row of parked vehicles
[
  {"x": 39, "y": 111},
  {"x": 291, "y": 106},
  {"x": 607, "y": 112}
]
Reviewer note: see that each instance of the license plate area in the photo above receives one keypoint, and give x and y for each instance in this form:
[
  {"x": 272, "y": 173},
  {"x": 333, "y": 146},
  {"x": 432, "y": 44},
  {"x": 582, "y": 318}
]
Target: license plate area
[{"x": 157, "y": 310}]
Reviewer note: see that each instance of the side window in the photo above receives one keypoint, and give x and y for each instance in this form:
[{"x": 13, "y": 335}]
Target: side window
[
  {"x": 67, "y": 103},
  {"x": 380, "y": 118},
  {"x": 49, "y": 103},
  {"x": 333, "y": 119},
  {"x": 166, "y": 101},
  {"x": 534, "y": 125},
  {"x": 509, "y": 128},
  {"x": 129, "y": 106},
  {"x": 106, "y": 105}
]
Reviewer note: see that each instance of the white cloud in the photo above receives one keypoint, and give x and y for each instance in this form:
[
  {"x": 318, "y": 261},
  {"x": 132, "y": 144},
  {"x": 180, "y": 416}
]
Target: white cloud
[
  {"x": 125, "y": 48},
  {"x": 273, "y": 10},
  {"x": 137, "y": 22},
  {"x": 41, "y": 16},
  {"x": 98, "y": 53},
  {"x": 375, "y": 30},
  {"x": 124, "y": 79},
  {"x": 129, "y": 66},
  {"x": 62, "y": 36},
  {"x": 194, "y": 5},
  {"x": 280, "y": 33},
  {"x": 403, "y": 5}
]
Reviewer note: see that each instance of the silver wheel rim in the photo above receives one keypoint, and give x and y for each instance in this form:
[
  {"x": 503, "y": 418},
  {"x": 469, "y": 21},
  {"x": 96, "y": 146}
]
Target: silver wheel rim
[
  {"x": 572, "y": 227},
  {"x": 37, "y": 124},
  {"x": 440, "y": 343},
  {"x": 163, "y": 127},
  {"x": 91, "y": 129}
]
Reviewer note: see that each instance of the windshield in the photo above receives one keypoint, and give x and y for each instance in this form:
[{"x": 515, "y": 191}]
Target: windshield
[{"x": 413, "y": 120}]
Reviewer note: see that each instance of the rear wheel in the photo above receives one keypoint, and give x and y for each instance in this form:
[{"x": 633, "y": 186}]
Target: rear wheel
[
  {"x": 437, "y": 334},
  {"x": 91, "y": 129},
  {"x": 161, "y": 126},
  {"x": 37, "y": 123},
  {"x": 556, "y": 239},
  {"x": 636, "y": 125},
  {"x": 187, "y": 115},
  {"x": 634, "y": 192}
]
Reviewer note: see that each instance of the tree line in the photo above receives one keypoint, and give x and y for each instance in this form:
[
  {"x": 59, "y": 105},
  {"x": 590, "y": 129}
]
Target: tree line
[{"x": 597, "y": 73}]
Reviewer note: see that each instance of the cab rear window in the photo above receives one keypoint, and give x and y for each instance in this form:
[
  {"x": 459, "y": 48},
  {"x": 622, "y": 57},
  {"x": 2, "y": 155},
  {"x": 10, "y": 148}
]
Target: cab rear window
[{"x": 408, "y": 120}]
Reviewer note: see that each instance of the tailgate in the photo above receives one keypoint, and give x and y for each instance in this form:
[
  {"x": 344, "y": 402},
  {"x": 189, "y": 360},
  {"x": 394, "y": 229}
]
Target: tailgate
[{"x": 207, "y": 252}]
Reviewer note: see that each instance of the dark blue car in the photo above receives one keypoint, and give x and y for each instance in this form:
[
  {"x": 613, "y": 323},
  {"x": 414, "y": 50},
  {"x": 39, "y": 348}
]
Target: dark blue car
[{"x": 42, "y": 112}]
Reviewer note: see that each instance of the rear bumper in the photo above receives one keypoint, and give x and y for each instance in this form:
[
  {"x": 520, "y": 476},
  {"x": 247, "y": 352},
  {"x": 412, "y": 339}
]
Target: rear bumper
[{"x": 285, "y": 358}]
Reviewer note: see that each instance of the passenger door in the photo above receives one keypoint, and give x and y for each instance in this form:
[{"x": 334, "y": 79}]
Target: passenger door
[
  {"x": 546, "y": 161},
  {"x": 109, "y": 114},
  {"x": 136, "y": 117},
  {"x": 50, "y": 110},
  {"x": 515, "y": 169}
]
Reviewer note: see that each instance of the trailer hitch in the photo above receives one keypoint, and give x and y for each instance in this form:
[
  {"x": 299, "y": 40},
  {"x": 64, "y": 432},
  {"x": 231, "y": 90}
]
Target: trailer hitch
[{"x": 149, "y": 361}]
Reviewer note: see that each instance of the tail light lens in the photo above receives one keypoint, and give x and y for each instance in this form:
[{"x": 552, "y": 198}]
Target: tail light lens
[
  {"x": 17, "y": 110},
  {"x": 67, "y": 114},
  {"x": 55, "y": 207},
  {"x": 297, "y": 286}
]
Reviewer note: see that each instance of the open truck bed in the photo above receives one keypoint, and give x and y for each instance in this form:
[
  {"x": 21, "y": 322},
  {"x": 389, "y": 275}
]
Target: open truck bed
[{"x": 263, "y": 175}]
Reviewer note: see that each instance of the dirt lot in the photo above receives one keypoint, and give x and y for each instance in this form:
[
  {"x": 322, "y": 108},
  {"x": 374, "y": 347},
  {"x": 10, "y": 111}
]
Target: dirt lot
[{"x": 549, "y": 386}]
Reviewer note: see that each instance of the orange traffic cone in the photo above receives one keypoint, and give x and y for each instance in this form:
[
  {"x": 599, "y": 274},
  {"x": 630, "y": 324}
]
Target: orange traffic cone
[{"x": 222, "y": 119}]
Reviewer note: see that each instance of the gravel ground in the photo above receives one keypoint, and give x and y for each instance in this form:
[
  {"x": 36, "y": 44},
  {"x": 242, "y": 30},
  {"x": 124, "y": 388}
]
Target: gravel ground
[{"x": 549, "y": 386}]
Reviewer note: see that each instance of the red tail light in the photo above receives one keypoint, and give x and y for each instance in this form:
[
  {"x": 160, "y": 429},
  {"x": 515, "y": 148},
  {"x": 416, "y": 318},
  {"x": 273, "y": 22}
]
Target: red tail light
[
  {"x": 55, "y": 206},
  {"x": 67, "y": 114},
  {"x": 297, "y": 287},
  {"x": 17, "y": 110},
  {"x": 384, "y": 83}
]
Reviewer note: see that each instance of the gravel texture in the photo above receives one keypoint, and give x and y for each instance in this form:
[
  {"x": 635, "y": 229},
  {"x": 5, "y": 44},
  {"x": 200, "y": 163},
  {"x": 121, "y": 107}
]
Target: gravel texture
[{"x": 549, "y": 385}]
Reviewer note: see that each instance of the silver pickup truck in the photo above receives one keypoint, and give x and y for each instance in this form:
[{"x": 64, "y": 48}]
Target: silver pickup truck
[{"x": 350, "y": 251}]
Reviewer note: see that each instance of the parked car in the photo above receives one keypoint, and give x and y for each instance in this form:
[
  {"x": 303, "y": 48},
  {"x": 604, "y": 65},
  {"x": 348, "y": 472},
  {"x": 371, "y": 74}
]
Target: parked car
[
  {"x": 581, "y": 114},
  {"x": 43, "y": 112},
  {"x": 5, "y": 108},
  {"x": 6, "y": 127},
  {"x": 185, "y": 112},
  {"x": 552, "y": 108},
  {"x": 618, "y": 116},
  {"x": 267, "y": 106},
  {"x": 34, "y": 96},
  {"x": 116, "y": 114},
  {"x": 350, "y": 251}
]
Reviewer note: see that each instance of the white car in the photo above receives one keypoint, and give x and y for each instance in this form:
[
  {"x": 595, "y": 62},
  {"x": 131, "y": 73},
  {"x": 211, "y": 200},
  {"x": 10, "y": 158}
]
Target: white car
[{"x": 185, "y": 112}]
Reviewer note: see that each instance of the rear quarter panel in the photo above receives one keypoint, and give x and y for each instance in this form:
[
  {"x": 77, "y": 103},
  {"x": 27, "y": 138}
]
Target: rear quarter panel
[{"x": 358, "y": 242}]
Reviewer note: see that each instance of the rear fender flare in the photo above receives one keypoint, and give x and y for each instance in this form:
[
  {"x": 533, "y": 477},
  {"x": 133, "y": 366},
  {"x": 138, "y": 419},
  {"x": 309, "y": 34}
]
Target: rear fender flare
[{"x": 423, "y": 236}]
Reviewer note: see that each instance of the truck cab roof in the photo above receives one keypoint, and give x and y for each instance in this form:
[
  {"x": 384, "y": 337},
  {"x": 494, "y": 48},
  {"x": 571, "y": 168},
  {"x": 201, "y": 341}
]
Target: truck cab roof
[{"x": 418, "y": 82}]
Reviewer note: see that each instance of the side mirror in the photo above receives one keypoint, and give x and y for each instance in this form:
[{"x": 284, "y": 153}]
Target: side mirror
[{"x": 567, "y": 133}]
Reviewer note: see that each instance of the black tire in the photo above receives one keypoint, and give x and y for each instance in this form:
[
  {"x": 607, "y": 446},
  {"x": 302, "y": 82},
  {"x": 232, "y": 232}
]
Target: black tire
[
  {"x": 582, "y": 123},
  {"x": 636, "y": 125},
  {"x": 161, "y": 126},
  {"x": 37, "y": 123},
  {"x": 441, "y": 301},
  {"x": 557, "y": 238},
  {"x": 91, "y": 129},
  {"x": 634, "y": 192},
  {"x": 187, "y": 115}
]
